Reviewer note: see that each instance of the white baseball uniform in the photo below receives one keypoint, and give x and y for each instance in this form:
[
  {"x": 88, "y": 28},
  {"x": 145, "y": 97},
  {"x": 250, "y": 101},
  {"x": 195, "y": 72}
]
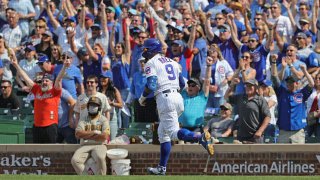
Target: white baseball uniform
[{"x": 169, "y": 101}]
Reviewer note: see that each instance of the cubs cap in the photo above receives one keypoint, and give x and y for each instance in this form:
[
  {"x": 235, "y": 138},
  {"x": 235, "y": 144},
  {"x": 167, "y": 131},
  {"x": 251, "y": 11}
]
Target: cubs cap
[
  {"x": 224, "y": 26},
  {"x": 254, "y": 36},
  {"x": 179, "y": 42},
  {"x": 265, "y": 82},
  {"x": 302, "y": 35},
  {"x": 290, "y": 79},
  {"x": 107, "y": 74},
  {"x": 194, "y": 80},
  {"x": 48, "y": 76},
  {"x": 42, "y": 58},
  {"x": 30, "y": 48},
  {"x": 82, "y": 52},
  {"x": 96, "y": 26},
  {"x": 89, "y": 16}
]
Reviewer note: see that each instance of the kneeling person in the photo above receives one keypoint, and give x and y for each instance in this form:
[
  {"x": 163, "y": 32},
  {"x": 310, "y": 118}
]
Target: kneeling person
[{"x": 93, "y": 131}]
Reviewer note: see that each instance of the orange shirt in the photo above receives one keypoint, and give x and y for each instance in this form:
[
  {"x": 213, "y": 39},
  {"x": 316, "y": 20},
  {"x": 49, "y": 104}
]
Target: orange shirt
[{"x": 45, "y": 106}]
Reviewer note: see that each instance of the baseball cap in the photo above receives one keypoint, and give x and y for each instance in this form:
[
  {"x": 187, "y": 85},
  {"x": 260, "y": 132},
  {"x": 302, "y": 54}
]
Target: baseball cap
[
  {"x": 302, "y": 35},
  {"x": 42, "y": 58},
  {"x": 252, "y": 82},
  {"x": 111, "y": 9},
  {"x": 96, "y": 26},
  {"x": 141, "y": 59},
  {"x": 71, "y": 18},
  {"x": 48, "y": 76},
  {"x": 89, "y": 16},
  {"x": 304, "y": 20},
  {"x": 94, "y": 100},
  {"x": 194, "y": 80},
  {"x": 290, "y": 79},
  {"x": 254, "y": 36},
  {"x": 227, "y": 11},
  {"x": 67, "y": 53},
  {"x": 177, "y": 16},
  {"x": 48, "y": 33},
  {"x": 224, "y": 26},
  {"x": 82, "y": 52},
  {"x": 265, "y": 82},
  {"x": 107, "y": 74},
  {"x": 172, "y": 24},
  {"x": 308, "y": 34},
  {"x": 30, "y": 48},
  {"x": 227, "y": 106},
  {"x": 179, "y": 42},
  {"x": 179, "y": 28},
  {"x": 133, "y": 11}
]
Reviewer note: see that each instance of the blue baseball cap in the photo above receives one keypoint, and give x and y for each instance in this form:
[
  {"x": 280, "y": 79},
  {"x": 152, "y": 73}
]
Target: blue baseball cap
[
  {"x": 71, "y": 18},
  {"x": 42, "y": 58},
  {"x": 30, "y": 48},
  {"x": 179, "y": 28},
  {"x": 179, "y": 42},
  {"x": 266, "y": 82},
  {"x": 107, "y": 74},
  {"x": 82, "y": 52},
  {"x": 96, "y": 26},
  {"x": 226, "y": 11},
  {"x": 48, "y": 76},
  {"x": 254, "y": 36},
  {"x": 89, "y": 16}
]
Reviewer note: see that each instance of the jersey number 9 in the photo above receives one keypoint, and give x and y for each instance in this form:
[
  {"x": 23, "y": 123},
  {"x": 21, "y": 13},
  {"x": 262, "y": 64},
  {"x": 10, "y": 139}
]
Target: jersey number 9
[{"x": 170, "y": 71}]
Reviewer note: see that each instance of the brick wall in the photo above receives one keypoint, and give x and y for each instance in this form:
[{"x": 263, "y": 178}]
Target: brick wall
[{"x": 184, "y": 159}]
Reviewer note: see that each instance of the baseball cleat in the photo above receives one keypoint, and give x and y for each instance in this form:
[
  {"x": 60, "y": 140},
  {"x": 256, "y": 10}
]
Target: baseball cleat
[
  {"x": 205, "y": 140},
  {"x": 159, "y": 170}
]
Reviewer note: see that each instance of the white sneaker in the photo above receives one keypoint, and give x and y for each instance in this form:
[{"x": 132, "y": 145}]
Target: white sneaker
[{"x": 159, "y": 170}]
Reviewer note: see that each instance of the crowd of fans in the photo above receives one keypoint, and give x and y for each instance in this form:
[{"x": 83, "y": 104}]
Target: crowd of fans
[{"x": 254, "y": 63}]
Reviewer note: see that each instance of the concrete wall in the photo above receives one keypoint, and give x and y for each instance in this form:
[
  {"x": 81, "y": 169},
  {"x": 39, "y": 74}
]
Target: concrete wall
[{"x": 184, "y": 160}]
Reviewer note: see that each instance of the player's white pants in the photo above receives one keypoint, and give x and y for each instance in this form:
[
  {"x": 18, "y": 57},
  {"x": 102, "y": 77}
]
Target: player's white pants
[{"x": 170, "y": 107}]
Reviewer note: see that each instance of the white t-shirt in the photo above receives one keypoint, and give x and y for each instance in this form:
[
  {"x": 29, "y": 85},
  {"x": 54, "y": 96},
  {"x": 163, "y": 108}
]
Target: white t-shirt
[{"x": 273, "y": 98}]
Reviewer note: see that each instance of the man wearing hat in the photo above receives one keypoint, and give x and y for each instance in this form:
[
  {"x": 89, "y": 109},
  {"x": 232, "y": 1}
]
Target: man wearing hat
[
  {"x": 45, "y": 64},
  {"x": 94, "y": 133},
  {"x": 221, "y": 126},
  {"x": 195, "y": 98},
  {"x": 111, "y": 22},
  {"x": 291, "y": 108},
  {"x": 46, "y": 102},
  {"x": 254, "y": 114},
  {"x": 229, "y": 50},
  {"x": 72, "y": 78}
]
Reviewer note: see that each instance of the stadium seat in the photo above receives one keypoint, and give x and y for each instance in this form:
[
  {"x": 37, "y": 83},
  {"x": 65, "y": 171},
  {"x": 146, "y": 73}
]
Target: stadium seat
[
  {"x": 12, "y": 132},
  {"x": 5, "y": 111}
]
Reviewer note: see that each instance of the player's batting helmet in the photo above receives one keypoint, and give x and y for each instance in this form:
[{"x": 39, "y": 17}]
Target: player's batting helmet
[{"x": 151, "y": 47}]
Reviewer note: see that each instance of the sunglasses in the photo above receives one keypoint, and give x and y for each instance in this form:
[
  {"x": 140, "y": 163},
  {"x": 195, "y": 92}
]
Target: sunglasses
[
  {"x": 142, "y": 37},
  {"x": 222, "y": 30},
  {"x": 186, "y": 19},
  {"x": 91, "y": 82},
  {"x": 290, "y": 50},
  {"x": 259, "y": 29},
  {"x": 4, "y": 87},
  {"x": 257, "y": 19},
  {"x": 224, "y": 109},
  {"x": 65, "y": 57},
  {"x": 192, "y": 85},
  {"x": 274, "y": 7},
  {"x": 299, "y": 38},
  {"x": 39, "y": 82},
  {"x": 40, "y": 27},
  {"x": 217, "y": 19},
  {"x": 245, "y": 57},
  {"x": 251, "y": 41}
]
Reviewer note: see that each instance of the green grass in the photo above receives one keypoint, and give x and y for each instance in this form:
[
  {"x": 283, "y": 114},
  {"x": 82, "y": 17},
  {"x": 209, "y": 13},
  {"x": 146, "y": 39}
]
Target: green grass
[{"x": 57, "y": 177}]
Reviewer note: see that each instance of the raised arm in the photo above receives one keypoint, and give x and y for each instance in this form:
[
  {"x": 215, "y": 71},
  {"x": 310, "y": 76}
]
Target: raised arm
[
  {"x": 53, "y": 20},
  {"x": 209, "y": 33},
  {"x": 20, "y": 71},
  {"x": 89, "y": 48},
  {"x": 82, "y": 16},
  {"x": 58, "y": 81},
  {"x": 71, "y": 41},
  {"x": 247, "y": 22},
  {"x": 160, "y": 37},
  {"x": 127, "y": 40},
  {"x": 206, "y": 83},
  {"x": 287, "y": 5},
  {"x": 269, "y": 28},
  {"x": 112, "y": 40},
  {"x": 315, "y": 8},
  {"x": 192, "y": 38},
  {"x": 307, "y": 75},
  {"x": 233, "y": 31},
  {"x": 103, "y": 17}
]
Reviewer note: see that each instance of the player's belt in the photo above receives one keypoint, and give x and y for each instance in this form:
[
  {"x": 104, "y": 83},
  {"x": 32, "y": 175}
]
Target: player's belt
[{"x": 169, "y": 91}]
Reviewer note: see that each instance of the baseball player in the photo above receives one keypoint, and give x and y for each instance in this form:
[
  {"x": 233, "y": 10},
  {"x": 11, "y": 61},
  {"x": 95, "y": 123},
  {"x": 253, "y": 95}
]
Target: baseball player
[{"x": 164, "y": 79}]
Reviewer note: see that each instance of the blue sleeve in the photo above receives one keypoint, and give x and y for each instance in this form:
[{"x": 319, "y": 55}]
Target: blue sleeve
[
  {"x": 152, "y": 83},
  {"x": 312, "y": 60},
  {"x": 181, "y": 81},
  {"x": 78, "y": 76},
  {"x": 118, "y": 11},
  {"x": 306, "y": 91},
  {"x": 65, "y": 95},
  {"x": 1, "y": 65}
]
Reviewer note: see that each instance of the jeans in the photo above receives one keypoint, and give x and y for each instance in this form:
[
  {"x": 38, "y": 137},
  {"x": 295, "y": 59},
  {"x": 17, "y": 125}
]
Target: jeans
[
  {"x": 113, "y": 126},
  {"x": 214, "y": 102},
  {"x": 66, "y": 134}
]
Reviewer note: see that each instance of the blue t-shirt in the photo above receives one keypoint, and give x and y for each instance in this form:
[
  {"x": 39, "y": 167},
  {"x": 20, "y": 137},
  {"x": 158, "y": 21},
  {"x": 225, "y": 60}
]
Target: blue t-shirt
[
  {"x": 138, "y": 83},
  {"x": 120, "y": 74},
  {"x": 291, "y": 108},
  {"x": 200, "y": 58},
  {"x": 70, "y": 79},
  {"x": 313, "y": 60},
  {"x": 135, "y": 56},
  {"x": 287, "y": 72},
  {"x": 259, "y": 59},
  {"x": 92, "y": 68},
  {"x": 63, "y": 110},
  {"x": 229, "y": 51},
  {"x": 194, "y": 107}
]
